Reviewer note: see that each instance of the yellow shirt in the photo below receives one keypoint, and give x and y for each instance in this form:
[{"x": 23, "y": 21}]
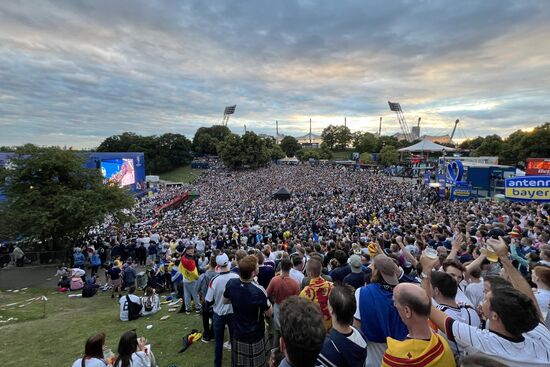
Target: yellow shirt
[{"x": 418, "y": 353}]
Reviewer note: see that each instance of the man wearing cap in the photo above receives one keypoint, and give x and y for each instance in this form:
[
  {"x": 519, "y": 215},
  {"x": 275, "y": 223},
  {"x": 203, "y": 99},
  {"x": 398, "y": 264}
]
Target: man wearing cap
[
  {"x": 376, "y": 315},
  {"x": 223, "y": 312},
  {"x": 356, "y": 278}
]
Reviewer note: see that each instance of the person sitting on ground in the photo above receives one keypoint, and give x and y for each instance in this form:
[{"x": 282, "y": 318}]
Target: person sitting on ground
[
  {"x": 302, "y": 332},
  {"x": 344, "y": 345},
  {"x": 64, "y": 284},
  {"x": 125, "y": 306},
  {"x": 93, "y": 353},
  {"x": 90, "y": 287},
  {"x": 422, "y": 346},
  {"x": 76, "y": 283},
  {"x": 132, "y": 352},
  {"x": 150, "y": 302}
]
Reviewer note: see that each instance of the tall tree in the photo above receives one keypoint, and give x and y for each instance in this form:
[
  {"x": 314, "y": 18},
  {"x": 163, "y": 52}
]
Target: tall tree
[
  {"x": 329, "y": 136},
  {"x": 206, "y": 139},
  {"x": 53, "y": 198},
  {"x": 491, "y": 146},
  {"x": 290, "y": 146},
  {"x": 343, "y": 137},
  {"x": 365, "y": 143},
  {"x": 389, "y": 155}
]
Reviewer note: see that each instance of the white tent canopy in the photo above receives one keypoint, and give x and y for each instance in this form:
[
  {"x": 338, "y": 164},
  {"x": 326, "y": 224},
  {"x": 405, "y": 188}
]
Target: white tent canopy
[{"x": 427, "y": 146}]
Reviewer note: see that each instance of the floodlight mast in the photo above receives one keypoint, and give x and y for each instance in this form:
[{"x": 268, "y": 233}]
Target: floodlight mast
[
  {"x": 396, "y": 107},
  {"x": 229, "y": 110}
]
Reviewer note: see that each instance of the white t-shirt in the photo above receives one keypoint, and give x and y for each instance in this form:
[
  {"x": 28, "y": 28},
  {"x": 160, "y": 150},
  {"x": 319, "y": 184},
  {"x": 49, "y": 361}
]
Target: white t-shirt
[
  {"x": 463, "y": 314},
  {"x": 474, "y": 292},
  {"x": 215, "y": 293},
  {"x": 92, "y": 362},
  {"x": 124, "y": 305},
  {"x": 155, "y": 303},
  {"x": 296, "y": 275},
  {"x": 543, "y": 299},
  {"x": 533, "y": 351},
  {"x": 139, "y": 359}
]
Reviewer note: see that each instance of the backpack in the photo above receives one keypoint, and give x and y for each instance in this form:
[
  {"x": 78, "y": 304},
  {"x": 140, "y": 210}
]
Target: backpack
[
  {"x": 148, "y": 305},
  {"x": 133, "y": 309}
]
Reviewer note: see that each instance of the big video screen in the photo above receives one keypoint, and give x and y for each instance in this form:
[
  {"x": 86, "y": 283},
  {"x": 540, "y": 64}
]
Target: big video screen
[{"x": 118, "y": 171}]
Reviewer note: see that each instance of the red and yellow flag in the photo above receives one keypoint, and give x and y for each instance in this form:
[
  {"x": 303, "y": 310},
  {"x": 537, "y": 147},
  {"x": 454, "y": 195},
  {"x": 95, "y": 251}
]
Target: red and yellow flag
[{"x": 188, "y": 269}]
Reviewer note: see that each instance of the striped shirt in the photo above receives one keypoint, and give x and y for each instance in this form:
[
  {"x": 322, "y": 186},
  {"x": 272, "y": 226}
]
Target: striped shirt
[{"x": 533, "y": 350}]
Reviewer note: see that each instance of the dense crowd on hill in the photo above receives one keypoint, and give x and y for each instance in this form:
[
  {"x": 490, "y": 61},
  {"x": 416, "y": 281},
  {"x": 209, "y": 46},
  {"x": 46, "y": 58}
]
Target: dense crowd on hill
[{"x": 355, "y": 269}]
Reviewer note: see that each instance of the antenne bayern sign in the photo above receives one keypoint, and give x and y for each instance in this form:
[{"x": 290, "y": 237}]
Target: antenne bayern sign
[{"x": 528, "y": 188}]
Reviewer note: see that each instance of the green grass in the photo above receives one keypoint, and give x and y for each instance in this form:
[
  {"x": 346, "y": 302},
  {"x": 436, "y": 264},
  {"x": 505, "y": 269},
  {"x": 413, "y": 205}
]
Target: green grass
[
  {"x": 182, "y": 174},
  {"x": 58, "y": 339},
  {"x": 342, "y": 155}
]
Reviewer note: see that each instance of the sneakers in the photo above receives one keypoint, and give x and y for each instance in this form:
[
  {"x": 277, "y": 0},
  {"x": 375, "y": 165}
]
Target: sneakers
[
  {"x": 198, "y": 312},
  {"x": 205, "y": 340},
  {"x": 187, "y": 312},
  {"x": 227, "y": 345}
]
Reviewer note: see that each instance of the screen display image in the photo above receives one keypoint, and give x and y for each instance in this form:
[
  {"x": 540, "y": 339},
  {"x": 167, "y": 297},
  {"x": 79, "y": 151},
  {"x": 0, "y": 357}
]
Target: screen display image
[{"x": 118, "y": 171}]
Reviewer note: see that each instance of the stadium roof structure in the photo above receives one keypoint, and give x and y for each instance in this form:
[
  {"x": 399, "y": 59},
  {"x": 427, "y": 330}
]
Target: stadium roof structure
[{"x": 427, "y": 146}]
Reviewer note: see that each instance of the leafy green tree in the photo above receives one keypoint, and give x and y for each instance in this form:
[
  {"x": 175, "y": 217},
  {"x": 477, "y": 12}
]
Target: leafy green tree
[
  {"x": 306, "y": 154},
  {"x": 366, "y": 158},
  {"x": 491, "y": 146},
  {"x": 290, "y": 146},
  {"x": 365, "y": 142},
  {"x": 387, "y": 140},
  {"x": 276, "y": 152},
  {"x": 255, "y": 150},
  {"x": 536, "y": 144},
  {"x": 389, "y": 155},
  {"x": 329, "y": 136},
  {"x": 230, "y": 151},
  {"x": 206, "y": 139},
  {"x": 343, "y": 137},
  {"x": 162, "y": 153},
  {"x": 512, "y": 150},
  {"x": 471, "y": 144},
  {"x": 325, "y": 152},
  {"x": 53, "y": 198}
]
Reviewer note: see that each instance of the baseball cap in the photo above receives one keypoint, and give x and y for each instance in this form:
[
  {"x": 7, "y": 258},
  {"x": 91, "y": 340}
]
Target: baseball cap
[
  {"x": 387, "y": 269},
  {"x": 222, "y": 260},
  {"x": 515, "y": 232},
  {"x": 355, "y": 263}
]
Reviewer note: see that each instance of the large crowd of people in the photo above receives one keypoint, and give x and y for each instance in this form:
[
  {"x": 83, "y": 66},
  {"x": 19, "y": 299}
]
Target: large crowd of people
[{"x": 355, "y": 269}]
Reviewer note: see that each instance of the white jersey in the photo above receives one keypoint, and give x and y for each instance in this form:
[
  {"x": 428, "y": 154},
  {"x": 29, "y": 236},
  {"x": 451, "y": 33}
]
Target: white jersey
[
  {"x": 215, "y": 293},
  {"x": 532, "y": 351},
  {"x": 92, "y": 362},
  {"x": 296, "y": 275},
  {"x": 465, "y": 314},
  {"x": 124, "y": 305},
  {"x": 474, "y": 292}
]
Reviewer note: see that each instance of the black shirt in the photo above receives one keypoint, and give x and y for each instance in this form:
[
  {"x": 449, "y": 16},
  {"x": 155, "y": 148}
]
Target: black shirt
[{"x": 249, "y": 302}]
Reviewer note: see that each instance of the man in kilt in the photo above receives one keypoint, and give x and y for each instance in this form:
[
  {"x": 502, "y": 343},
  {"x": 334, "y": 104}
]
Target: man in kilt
[{"x": 250, "y": 305}]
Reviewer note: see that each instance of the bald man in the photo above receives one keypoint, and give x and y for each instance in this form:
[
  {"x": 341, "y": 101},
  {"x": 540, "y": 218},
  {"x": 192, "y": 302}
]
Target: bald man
[{"x": 422, "y": 347}]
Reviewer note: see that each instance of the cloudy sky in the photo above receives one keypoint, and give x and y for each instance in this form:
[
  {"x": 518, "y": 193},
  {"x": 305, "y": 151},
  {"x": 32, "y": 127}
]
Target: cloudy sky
[{"x": 74, "y": 72}]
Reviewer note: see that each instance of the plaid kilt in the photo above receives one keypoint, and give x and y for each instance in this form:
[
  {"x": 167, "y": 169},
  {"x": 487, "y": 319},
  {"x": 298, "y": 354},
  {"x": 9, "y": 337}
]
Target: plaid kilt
[{"x": 249, "y": 354}]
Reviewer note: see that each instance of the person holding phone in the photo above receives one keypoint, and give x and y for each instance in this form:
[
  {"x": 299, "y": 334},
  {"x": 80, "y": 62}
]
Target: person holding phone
[{"x": 133, "y": 351}]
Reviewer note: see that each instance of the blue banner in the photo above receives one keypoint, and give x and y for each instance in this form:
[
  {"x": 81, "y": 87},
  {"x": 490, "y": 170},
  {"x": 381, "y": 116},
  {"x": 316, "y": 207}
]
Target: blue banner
[
  {"x": 426, "y": 178},
  {"x": 442, "y": 181},
  {"x": 461, "y": 191},
  {"x": 528, "y": 188}
]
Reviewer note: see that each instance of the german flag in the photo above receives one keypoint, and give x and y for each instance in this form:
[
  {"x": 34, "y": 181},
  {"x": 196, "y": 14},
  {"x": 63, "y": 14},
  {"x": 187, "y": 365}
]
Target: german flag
[{"x": 188, "y": 269}]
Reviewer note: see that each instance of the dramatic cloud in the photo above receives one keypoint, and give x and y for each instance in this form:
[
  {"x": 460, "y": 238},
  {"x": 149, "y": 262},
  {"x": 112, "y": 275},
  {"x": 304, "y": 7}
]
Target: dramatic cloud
[{"x": 74, "y": 72}]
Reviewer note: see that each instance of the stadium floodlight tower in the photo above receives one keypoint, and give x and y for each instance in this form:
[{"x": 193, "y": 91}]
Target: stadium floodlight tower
[
  {"x": 229, "y": 110},
  {"x": 396, "y": 107}
]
